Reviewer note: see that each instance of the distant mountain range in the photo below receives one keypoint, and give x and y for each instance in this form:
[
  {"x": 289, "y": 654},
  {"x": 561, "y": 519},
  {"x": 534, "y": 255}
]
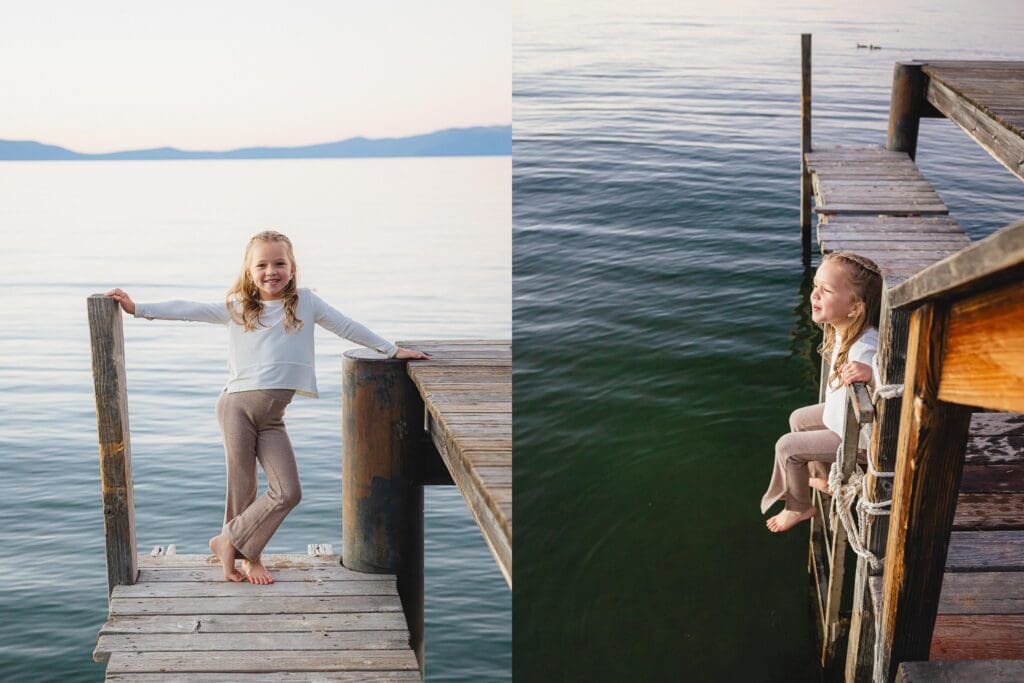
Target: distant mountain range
[{"x": 451, "y": 142}]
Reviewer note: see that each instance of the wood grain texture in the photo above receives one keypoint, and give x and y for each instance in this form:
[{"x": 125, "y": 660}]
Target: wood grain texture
[
  {"x": 998, "y": 256},
  {"x": 270, "y": 677},
  {"x": 110, "y": 385},
  {"x": 978, "y": 636},
  {"x": 928, "y": 466},
  {"x": 979, "y": 101},
  {"x": 980, "y": 511},
  {"x": 961, "y": 672},
  {"x": 268, "y": 661},
  {"x": 978, "y": 551},
  {"x": 470, "y": 423},
  {"x": 184, "y": 622},
  {"x": 984, "y": 359}
]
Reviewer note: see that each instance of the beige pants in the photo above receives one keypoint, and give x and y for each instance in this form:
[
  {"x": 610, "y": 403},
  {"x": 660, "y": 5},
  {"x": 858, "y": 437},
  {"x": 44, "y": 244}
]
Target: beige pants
[
  {"x": 799, "y": 455},
  {"x": 252, "y": 424}
]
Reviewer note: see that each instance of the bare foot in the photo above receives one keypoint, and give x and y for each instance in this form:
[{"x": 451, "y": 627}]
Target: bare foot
[
  {"x": 820, "y": 484},
  {"x": 225, "y": 552},
  {"x": 787, "y": 519},
  {"x": 256, "y": 572}
]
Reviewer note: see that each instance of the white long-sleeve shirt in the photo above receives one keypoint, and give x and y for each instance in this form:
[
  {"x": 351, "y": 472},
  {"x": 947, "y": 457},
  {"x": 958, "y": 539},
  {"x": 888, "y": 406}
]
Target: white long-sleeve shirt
[
  {"x": 268, "y": 357},
  {"x": 862, "y": 351}
]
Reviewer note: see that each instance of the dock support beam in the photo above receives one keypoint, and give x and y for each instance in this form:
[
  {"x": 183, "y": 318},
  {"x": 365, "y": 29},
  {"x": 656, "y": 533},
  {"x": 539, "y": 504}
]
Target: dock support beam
[
  {"x": 381, "y": 491},
  {"x": 929, "y": 464},
  {"x": 806, "y": 192},
  {"x": 891, "y": 357},
  {"x": 106, "y": 334},
  {"x": 906, "y": 107}
]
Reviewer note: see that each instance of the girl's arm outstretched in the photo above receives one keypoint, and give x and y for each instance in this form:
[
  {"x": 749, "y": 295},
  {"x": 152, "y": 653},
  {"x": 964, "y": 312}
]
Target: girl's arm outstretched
[
  {"x": 340, "y": 324},
  {"x": 172, "y": 310}
]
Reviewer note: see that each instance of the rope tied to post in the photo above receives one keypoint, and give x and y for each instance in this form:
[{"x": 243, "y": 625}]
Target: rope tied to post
[{"x": 844, "y": 495}]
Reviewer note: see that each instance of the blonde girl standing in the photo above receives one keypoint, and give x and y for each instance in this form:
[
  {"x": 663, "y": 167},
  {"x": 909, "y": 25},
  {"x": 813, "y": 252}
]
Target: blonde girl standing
[
  {"x": 270, "y": 323},
  {"x": 845, "y": 301}
]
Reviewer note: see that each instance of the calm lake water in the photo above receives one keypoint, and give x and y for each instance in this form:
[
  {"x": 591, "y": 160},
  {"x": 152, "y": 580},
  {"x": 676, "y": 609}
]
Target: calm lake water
[
  {"x": 661, "y": 337},
  {"x": 413, "y": 248}
]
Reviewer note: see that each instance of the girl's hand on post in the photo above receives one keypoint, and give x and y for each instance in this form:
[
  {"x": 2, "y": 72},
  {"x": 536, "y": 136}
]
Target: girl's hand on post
[
  {"x": 410, "y": 354},
  {"x": 856, "y": 372},
  {"x": 121, "y": 297}
]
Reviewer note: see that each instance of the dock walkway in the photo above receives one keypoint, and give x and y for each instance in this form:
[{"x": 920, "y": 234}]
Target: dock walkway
[
  {"x": 467, "y": 392},
  {"x": 873, "y": 200},
  {"x": 318, "y": 621},
  {"x": 352, "y": 617}
]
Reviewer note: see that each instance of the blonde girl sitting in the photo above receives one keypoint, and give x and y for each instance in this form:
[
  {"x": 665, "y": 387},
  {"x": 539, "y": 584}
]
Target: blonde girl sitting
[{"x": 845, "y": 301}]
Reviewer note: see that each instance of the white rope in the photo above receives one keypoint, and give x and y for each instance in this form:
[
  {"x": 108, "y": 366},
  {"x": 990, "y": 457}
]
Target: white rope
[
  {"x": 843, "y": 497},
  {"x": 878, "y": 475},
  {"x": 887, "y": 391}
]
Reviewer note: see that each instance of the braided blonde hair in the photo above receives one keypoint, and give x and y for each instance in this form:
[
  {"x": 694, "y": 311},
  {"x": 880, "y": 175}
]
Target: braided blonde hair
[
  {"x": 865, "y": 280},
  {"x": 245, "y": 294}
]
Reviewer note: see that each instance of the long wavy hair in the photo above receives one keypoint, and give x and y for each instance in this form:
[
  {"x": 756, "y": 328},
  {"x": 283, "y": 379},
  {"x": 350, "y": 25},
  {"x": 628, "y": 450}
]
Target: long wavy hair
[
  {"x": 243, "y": 299},
  {"x": 865, "y": 279}
]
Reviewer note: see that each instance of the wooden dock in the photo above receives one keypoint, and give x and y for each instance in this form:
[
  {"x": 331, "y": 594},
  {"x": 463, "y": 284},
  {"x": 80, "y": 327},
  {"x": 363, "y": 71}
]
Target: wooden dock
[
  {"x": 318, "y": 621},
  {"x": 950, "y": 342},
  {"x": 467, "y": 392},
  {"x": 357, "y": 616}
]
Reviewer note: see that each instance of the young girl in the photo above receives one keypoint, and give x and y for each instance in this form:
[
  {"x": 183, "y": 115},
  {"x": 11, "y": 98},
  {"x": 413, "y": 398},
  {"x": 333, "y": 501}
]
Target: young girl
[
  {"x": 270, "y": 357},
  {"x": 845, "y": 301}
]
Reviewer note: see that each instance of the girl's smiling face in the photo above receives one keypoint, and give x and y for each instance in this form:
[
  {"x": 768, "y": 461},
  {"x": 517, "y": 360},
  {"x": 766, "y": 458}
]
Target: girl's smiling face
[
  {"x": 270, "y": 269},
  {"x": 832, "y": 299}
]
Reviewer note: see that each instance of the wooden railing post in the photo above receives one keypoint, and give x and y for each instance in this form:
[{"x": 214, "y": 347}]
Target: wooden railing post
[
  {"x": 932, "y": 438},
  {"x": 806, "y": 191},
  {"x": 381, "y": 490},
  {"x": 906, "y": 106},
  {"x": 858, "y": 412},
  {"x": 107, "y": 339},
  {"x": 892, "y": 353}
]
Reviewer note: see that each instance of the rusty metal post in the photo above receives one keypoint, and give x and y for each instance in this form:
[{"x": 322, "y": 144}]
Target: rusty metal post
[
  {"x": 906, "y": 106},
  {"x": 382, "y": 497}
]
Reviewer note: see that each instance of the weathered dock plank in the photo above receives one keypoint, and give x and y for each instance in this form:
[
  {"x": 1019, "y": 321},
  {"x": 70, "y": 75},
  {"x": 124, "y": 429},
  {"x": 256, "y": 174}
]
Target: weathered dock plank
[
  {"x": 986, "y": 101},
  {"x": 468, "y": 400},
  {"x": 869, "y": 181},
  {"x": 275, "y": 677},
  {"x": 959, "y": 672},
  {"x": 181, "y": 620},
  {"x": 267, "y": 661},
  {"x": 228, "y": 623}
]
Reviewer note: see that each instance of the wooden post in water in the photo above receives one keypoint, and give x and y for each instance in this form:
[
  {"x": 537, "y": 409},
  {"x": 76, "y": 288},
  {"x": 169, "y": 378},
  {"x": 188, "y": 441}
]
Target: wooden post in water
[
  {"x": 932, "y": 438},
  {"x": 906, "y": 106},
  {"x": 106, "y": 334},
  {"x": 806, "y": 191},
  {"x": 382, "y": 496}
]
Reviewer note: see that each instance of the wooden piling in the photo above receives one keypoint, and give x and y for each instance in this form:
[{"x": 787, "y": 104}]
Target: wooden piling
[
  {"x": 892, "y": 345},
  {"x": 806, "y": 192},
  {"x": 906, "y": 107},
  {"x": 929, "y": 464},
  {"x": 382, "y": 500},
  {"x": 107, "y": 339}
]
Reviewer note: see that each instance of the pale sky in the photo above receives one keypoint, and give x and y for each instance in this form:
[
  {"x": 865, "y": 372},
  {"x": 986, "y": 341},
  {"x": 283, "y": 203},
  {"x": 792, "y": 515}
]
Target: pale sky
[{"x": 101, "y": 75}]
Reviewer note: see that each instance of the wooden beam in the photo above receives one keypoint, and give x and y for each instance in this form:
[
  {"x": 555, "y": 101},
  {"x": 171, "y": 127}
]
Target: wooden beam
[
  {"x": 999, "y": 256},
  {"x": 994, "y": 135},
  {"x": 891, "y": 357},
  {"x": 107, "y": 340},
  {"x": 929, "y": 461},
  {"x": 984, "y": 361}
]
